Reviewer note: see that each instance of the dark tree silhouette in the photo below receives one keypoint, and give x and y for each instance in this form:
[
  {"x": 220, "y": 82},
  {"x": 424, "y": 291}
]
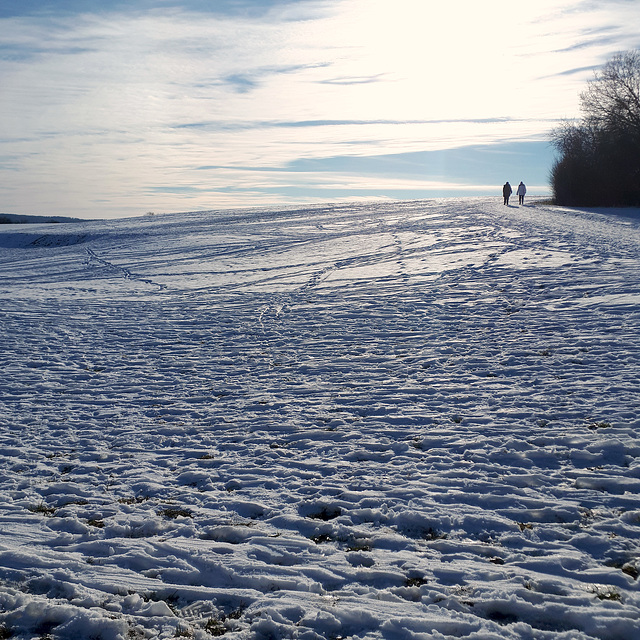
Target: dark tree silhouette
[{"x": 599, "y": 157}]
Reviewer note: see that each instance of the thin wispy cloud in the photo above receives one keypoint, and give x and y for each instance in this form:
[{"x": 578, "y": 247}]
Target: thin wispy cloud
[
  {"x": 301, "y": 124},
  {"x": 572, "y": 72},
  {"x": 353, "y": 80},
  {"x": 113, "y": 108}
]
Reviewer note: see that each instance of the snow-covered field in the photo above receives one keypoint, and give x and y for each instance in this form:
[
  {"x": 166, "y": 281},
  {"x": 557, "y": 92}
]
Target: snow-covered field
[{"x": 407, "y": 420}]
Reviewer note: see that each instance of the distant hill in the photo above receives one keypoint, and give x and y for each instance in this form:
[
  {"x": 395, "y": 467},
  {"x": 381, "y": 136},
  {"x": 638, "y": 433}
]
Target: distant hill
[{"x": 11, "y": 218}]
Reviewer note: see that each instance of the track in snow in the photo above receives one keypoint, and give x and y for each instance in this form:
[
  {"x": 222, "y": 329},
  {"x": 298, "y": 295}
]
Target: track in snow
[{"x": 365, "y": 421}]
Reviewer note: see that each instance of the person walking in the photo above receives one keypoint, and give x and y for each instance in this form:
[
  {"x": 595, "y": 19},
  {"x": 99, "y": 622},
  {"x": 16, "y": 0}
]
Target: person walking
[
  {"x": 506, "y": 192},
  {"x": 521, "y": 191}
]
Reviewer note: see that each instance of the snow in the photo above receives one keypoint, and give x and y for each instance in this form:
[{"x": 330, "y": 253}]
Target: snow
[{"x": 393, "y": 420}]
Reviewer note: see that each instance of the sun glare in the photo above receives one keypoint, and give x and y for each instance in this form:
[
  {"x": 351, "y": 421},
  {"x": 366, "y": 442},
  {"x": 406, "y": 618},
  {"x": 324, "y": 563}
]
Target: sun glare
[
  {"x": 421, "y": 58},
  {"x": 458, "y": 59}
]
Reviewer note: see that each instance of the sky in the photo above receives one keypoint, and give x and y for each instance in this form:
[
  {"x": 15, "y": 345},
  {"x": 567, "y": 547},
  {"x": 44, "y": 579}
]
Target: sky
[{"x": 114, "y": 109}]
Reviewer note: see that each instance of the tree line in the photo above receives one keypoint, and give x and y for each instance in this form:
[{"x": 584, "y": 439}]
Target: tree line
[{"x": 599, "y": 156}]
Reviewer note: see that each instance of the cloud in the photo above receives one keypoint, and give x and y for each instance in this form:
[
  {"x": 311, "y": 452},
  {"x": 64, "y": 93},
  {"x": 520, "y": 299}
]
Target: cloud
[
  {"x": 250, "y": 80},
  {"x": 591, "y": 42},
  {"x": 220, "y": 125},
  {"x": 241, "y": 83},
  {"x": 354, "y": 80},
  {"x": 471, "y": 169},
  {"x": 58, "y": 8},
  {"x": 572, "y": 72},
  {"x": 474, "y": 164},
  {"x": 106, "y": 103},
  {"x": 175, "y": 189}
]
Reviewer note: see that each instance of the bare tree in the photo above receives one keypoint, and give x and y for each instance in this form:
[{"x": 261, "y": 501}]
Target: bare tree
[
  {"x": 599, "y": 163},
  {"x": 612, "y": 98}
]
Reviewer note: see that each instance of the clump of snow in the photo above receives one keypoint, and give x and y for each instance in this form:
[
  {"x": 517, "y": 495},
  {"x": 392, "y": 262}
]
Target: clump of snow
[{"x": 401, "y": 420}]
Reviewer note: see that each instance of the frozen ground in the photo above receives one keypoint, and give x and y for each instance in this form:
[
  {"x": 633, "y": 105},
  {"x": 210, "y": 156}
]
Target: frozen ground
[{"x": 408, "y": 420}]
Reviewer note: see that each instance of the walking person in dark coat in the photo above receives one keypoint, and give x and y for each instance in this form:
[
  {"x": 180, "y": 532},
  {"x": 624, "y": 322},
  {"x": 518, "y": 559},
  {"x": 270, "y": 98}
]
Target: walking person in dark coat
[{"x": 506, "y": 192}]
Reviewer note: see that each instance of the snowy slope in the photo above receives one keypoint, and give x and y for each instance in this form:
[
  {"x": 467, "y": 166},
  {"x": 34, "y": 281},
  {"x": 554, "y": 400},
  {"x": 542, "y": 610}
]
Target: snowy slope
[{"x": 407, "y": 420}]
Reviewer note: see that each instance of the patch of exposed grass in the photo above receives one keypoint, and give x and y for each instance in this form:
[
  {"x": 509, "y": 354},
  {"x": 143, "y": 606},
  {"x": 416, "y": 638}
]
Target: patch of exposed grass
[
  {"x": 599, "y": 425},
  {"x": 608, "y": 594},
  {"x": 133, "y": 500},
  {"x": 94, "y": 522},
  {"x": 5, "y": 632},
  {"x": 175, "y": 512},
  {"x": 218, "y": 625},
  {"x": 43, "y": 509}
]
